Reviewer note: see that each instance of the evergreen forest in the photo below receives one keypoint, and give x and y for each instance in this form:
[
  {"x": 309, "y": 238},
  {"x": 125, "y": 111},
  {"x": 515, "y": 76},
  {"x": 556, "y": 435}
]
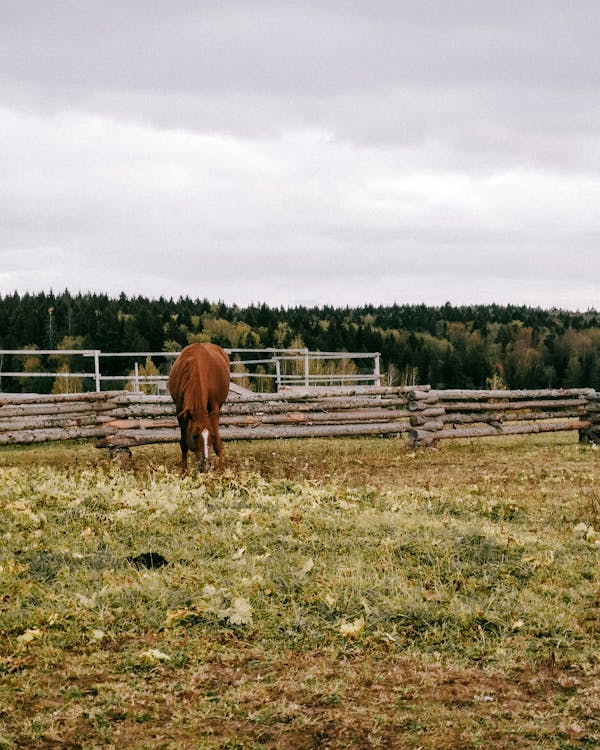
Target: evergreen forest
[{"x": 478, "y": 346}]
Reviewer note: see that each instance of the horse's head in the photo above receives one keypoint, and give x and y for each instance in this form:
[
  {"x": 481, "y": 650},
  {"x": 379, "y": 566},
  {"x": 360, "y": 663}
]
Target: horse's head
[{"x": 199, "y": 435}]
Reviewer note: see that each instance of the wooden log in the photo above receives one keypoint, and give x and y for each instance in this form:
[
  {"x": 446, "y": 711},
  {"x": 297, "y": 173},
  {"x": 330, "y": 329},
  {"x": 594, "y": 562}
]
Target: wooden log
[
  {"x": 24, "y": 437},
  {"x": 329, "y": 417},
  {"x": 16, "y": 424},
  {"x": 432, "y": 426},
  {"x": 280, "y": 407},
  {"x": 140, "y": 424},
  {"x": 458, "y": 394},
  {"x": 303, "y": 394},
  {"x": 293, "y": 393},
  {"x": 24, "y": 398},
  {"x": 432, "y": 411},
  {"x": 130, "y": 397},
  {"x": 418, "y": 406},
  {"x": 380, "y": 394},
  {"x": 73, "y": 407},
  {"x": 143, "y": 410},
  {"x": 351, "y": 396},
  {"x": 131, "y": 438},
  {"x": 468, "y": 406},
  {"x": 312, "y": 405},
  {"x": 314, "y": 430},
  {"x": 420, "y": 436},
  {"x": 421, "y": 417},
  {"x": 515, "y": 416},
  {"x": 422, "y": 395},
  {"x": 345, "y": 417}
]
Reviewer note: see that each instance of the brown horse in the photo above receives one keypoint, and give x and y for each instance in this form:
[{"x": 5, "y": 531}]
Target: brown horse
[{"x": 198, "y": 384}]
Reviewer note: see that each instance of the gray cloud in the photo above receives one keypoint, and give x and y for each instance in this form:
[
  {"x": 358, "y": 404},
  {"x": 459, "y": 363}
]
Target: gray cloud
[{"x": 330, "y": 152}]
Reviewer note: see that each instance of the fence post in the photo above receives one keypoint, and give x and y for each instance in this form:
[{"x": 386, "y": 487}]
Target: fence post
[
  {"x": 427, "y": 417},
  {"x": 277, "y": 374},
  {"x": 377, "y": 371},
  {"x": 306, "y": 368},
  {"x": 97, "y": 370}
]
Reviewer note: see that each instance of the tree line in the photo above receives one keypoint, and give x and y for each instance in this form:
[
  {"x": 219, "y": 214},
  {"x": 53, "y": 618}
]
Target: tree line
[{"x": 448, "y": 346}]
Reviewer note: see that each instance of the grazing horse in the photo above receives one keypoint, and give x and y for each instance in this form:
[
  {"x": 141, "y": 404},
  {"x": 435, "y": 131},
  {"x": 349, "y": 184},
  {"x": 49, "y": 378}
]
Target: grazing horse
[{"x": 198, "y": 384}]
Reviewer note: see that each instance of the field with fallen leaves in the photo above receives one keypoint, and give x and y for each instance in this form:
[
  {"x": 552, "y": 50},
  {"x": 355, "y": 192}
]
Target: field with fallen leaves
[{"x": 320, "y": 594}]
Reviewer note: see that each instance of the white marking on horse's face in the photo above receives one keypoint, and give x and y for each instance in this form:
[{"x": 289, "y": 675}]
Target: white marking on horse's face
[{"x": 205, "y": 435}]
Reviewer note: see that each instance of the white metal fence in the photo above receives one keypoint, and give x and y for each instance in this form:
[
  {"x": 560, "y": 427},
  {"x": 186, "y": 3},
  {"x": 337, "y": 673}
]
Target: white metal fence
[{"x": 258, "y": 369}]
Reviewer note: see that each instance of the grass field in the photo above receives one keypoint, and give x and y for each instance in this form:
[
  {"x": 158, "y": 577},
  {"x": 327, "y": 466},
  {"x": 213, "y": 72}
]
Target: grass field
[{"x": 319, "y": 594}]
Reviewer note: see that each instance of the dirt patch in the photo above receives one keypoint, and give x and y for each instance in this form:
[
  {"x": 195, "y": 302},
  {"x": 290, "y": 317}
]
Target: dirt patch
[{"x": 299, "y": 702}]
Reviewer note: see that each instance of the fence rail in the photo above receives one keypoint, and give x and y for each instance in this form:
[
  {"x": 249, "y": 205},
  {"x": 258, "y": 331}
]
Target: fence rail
[{"x": 256, "y": 367}]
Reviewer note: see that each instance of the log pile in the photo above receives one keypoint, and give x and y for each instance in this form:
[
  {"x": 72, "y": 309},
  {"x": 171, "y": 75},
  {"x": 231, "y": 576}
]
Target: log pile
[
  {"x": 119, "y": 419},
  {"x": 122, "y": 419},
  {"x": 33, "y": 418},
  {"x": 442, "y": 414}
]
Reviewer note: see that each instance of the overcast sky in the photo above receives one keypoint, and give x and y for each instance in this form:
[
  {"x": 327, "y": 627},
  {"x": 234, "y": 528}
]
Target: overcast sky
[{"x": 302, "y": 152}]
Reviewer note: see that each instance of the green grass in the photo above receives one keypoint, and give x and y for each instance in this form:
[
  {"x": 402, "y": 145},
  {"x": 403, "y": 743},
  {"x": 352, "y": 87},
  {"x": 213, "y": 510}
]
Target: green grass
[{"x": 335, "y": 594}]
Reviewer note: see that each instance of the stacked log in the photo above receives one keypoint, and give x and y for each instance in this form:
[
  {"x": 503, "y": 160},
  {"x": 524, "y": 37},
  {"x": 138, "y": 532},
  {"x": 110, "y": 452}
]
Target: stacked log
[
  {"x": 444, "y": 414},
  {"x": 298, "y": 413},
  {"x": 32, "y": 418},
  {"x": 122, "y": 419}
]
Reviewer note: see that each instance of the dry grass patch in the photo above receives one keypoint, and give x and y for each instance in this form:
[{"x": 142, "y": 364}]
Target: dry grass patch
[
  {"x": 335, "y": 594},
  {"x": 246, "y": 698}
]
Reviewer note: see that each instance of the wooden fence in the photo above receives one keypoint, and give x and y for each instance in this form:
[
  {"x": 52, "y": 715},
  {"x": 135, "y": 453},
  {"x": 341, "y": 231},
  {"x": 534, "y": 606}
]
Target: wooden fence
[
  {"x": 120, "y": 419},
  {"x": 439, "y": 415},
  {"x": 123, "y": 419}
]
